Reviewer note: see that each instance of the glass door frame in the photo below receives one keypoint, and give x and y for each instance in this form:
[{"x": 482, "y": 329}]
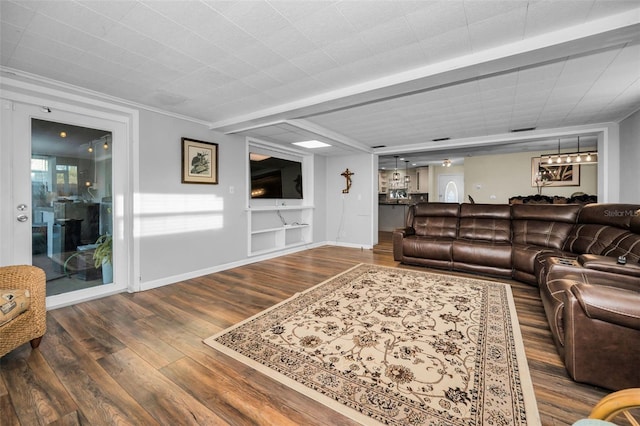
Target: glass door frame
[{"x": 17, "y": 110}]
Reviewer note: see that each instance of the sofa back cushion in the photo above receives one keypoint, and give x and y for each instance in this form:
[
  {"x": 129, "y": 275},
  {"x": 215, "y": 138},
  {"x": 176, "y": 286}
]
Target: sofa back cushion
[
  {"x": 591, "y": 238},
  {"x": 607, "y": 230},
  {"x": 434, "y": 219},
  {"x": 543, "y": 225},
  {"x": 488, "y": 222}
]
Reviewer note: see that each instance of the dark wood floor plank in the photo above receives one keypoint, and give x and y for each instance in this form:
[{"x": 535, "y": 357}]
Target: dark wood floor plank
[
  {"x": 99, "y": 397},
  {"x": 36, "y": 394},
  {"x": 8, "y": 414},
  {"x": 88, "y": 330},
  {"x": 162, "y": 398},
  {"x": 115, "y": 357},
  {"x": 138, "y": 339}
]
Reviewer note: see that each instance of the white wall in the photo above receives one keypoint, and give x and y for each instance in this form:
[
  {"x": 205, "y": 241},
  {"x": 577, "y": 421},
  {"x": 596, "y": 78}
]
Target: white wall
[
  {"x": 188, "y": 227},
  {"x": 507, "y": 175},
  {"x": 351, "y": 219},
  {"x": 629, "y": 159},
  {"x": 321, "y": 210}
]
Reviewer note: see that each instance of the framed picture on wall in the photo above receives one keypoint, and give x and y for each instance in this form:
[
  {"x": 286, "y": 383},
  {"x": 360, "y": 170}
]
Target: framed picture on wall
[
  {"x": 199, "y": 161},
  {"x": 554, "y": 174}
]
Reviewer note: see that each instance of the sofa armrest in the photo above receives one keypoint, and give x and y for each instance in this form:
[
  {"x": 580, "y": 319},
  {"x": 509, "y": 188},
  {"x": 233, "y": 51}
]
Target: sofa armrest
[
  {"x": 609, "y": 304},
  {"x": 608, "y": 264},
  {"x": 398, "y": 235}
]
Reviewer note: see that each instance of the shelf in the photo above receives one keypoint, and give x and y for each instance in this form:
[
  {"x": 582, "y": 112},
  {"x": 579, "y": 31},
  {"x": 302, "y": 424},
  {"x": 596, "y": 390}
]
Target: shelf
[
  {"x": 267, "y": 234},
  {"x": 274, "y": 208},
  {"x": 285, "y": 227},
  {"x": 274, "y": 249}
]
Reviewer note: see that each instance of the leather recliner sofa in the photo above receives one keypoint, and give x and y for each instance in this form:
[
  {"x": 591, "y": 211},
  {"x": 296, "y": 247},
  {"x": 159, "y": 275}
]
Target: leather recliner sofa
[{"x": 571, "y": 252}]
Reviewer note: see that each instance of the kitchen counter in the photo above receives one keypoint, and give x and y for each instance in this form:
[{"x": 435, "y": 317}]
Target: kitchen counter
[{"x": 392, "y": 215}]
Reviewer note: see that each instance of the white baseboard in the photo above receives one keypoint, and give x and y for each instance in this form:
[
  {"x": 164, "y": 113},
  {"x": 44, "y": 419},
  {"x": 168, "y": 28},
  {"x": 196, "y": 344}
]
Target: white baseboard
[
  {"x": 350, "y": 245},
  {"x": 218, "y": 268}
]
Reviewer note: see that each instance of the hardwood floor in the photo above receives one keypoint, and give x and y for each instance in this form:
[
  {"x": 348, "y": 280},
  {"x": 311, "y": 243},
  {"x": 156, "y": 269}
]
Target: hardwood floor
[{"x": 139, "y": 358}]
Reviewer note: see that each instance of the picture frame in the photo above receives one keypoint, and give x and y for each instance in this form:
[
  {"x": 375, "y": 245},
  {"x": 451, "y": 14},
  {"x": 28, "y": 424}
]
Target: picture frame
[
  {"x": 563, "y": 174},
  {"x": 199, "y": 162}
]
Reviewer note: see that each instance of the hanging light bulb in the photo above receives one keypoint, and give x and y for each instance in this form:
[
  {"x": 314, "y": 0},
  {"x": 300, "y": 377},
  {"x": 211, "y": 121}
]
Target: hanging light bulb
[
  {"x": 578, "y": 158},
  {"x": 588, "y": 157},
  {"x": 407, "y": 178},
  {"x": 559, "y": 160},
  {"x": 106, "y": 145},
  {"x": 549, "y": 160},
  {"x": 90, "y": 149},
  {"x": 396, "y": 174},
  {"x": 568, "y": 160}
]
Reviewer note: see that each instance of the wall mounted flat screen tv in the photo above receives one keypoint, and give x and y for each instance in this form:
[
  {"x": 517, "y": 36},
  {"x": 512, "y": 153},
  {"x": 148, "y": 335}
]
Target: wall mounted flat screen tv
[{"x": 273, "y": 177}]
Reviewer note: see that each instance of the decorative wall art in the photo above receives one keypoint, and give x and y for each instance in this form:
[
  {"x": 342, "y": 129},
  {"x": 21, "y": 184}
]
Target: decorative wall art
[
  {"x": 347, "y": 175},
  {"x": 556, "y": 174},
  {"x": 199, "y": 161}
]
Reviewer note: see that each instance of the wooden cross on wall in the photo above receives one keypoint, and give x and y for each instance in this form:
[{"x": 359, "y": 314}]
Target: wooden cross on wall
[{"x": 347, "y": 175}]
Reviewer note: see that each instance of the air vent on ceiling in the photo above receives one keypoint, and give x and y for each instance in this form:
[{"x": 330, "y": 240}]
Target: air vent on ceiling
[
  {"x": 440, "y": 139},
  {"x": 524, "y": 129},
  {"x": 378, "y": 146}
]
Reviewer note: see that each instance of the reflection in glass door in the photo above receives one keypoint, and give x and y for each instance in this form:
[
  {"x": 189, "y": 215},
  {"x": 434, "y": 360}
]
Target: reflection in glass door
[{"x": 71, "y": 186}]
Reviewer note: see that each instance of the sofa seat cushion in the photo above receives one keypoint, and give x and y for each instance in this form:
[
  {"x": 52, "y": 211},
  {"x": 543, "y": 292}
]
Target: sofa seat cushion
[
  {"x": 487, "y": 253},
  {"x": 427, "y": 247},
  {"x": 524, "y": 256}
]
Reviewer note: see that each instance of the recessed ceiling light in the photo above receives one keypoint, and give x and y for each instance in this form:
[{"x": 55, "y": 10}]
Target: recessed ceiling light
[
  {"x": 311, "y": 144},
  {"x": 63, "y": 134}
]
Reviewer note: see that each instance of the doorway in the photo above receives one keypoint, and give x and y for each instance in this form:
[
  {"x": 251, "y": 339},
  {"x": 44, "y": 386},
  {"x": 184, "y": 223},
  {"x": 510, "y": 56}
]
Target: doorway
[
  {"x": 451, "y": 188},
  {"x": 64, "y": 192}
]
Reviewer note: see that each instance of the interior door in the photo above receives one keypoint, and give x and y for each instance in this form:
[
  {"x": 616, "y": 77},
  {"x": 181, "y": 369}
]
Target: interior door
[
  {"x": 451, "y": 188},
  {"x": 60, "y": 195}
]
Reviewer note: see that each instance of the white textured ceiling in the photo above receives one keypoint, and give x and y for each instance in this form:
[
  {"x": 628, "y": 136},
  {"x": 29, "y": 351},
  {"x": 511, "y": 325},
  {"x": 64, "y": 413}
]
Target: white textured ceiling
[{"x": 357, "y": 74}]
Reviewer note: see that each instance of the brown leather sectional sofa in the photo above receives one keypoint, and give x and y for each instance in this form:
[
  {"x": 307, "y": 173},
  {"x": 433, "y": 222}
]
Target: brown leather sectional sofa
[{"x": 591, "y": 298}]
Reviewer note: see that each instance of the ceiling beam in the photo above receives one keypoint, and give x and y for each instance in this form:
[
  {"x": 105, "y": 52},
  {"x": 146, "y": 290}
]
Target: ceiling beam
[{"x": 602, "y": 33}]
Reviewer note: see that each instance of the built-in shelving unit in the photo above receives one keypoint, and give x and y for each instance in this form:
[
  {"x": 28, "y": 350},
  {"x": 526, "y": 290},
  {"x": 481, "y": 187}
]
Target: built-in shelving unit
[
  {"x": 273, "y": 228},
  {"x": 282, "y": 224}
]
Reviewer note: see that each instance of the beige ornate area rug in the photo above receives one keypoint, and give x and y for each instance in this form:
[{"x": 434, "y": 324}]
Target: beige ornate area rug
[{"x": 398, "y": 347}]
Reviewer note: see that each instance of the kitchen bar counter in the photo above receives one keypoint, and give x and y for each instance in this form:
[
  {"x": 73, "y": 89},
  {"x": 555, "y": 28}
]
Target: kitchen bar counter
[{"x": 391, "y": 215}]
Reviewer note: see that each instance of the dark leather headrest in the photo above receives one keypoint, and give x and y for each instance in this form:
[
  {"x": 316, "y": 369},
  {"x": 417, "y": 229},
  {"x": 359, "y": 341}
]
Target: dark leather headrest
[
  {"x": 611, "y": 214},
  {"x": 634, "y": 225},
  {"x": 437, "y": 209},
  {"x": 486, "y": 211},
  {"x": 547, "y": 212}
]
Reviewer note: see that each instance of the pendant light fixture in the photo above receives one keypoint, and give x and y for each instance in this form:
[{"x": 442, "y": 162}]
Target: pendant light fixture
[
  {"x": 407, "y": 178},
  {"x": 396, "y": 174},
  {"x": 587, "y": 157}
]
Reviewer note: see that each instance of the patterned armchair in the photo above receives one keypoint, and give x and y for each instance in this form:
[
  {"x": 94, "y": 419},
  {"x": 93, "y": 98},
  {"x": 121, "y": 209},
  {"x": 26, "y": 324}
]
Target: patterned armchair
[{"x": 31, "y": 324}]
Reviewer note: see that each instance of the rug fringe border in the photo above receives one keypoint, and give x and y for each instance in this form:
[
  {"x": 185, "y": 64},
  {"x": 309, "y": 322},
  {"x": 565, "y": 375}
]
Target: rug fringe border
[{"x": 530, "y": 403}]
